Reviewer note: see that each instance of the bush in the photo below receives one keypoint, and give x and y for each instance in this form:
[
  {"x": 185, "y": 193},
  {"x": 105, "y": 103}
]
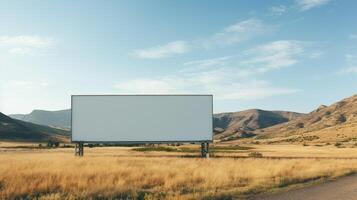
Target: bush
[
  {"x": 255, "y": 154},
  {"x": 158, "y": 148},
  {"x": 51, "y": 144},
  {"x": 300, "y": 125},
  {"x": 341, "y": 119},
  {"x": 338, "y": 144}
]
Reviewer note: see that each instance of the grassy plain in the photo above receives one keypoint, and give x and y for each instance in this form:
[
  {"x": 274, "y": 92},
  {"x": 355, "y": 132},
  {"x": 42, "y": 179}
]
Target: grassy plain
[{"x": 129, "y": 173}]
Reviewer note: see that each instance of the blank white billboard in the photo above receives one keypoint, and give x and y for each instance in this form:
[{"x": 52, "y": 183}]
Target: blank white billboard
[{"x": 142, "y": 118}]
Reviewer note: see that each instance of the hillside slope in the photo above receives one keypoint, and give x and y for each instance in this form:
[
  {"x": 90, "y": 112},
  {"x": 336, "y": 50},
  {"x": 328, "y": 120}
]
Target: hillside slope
[
  {"x": 61, "y": 118},
  {"x": 337, "y": 122},
  {"x": 17, "y": 130},
  {"x": 244, "y": 123}
]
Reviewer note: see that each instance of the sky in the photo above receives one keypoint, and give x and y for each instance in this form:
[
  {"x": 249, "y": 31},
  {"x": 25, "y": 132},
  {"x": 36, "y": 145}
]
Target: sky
[{"x": 275, "y": 55}]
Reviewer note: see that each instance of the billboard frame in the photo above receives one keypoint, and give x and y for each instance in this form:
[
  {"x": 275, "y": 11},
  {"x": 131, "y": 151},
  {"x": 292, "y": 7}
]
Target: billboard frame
[{"x": 144, "y": 142}]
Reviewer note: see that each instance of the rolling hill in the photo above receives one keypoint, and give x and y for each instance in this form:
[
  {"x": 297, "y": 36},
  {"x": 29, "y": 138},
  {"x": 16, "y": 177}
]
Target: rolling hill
[
  {"x": 337, "y": 122},
  {"x": 230, "y": 125},
  {"x": 17, "y": 130},
  {"x": 243, "y": 124},
  {"x": 60, "y": 119}
]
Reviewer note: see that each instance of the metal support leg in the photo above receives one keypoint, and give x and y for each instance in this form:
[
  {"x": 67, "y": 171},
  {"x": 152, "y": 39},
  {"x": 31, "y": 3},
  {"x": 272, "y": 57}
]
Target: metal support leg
[
  {"x": 207, "y": 150},
  {"x": 204, "y": 150},
  {"x": 76, "y": 149},
  {"x": 79, "y": 149},
  {"x": 203, "y": 154}
]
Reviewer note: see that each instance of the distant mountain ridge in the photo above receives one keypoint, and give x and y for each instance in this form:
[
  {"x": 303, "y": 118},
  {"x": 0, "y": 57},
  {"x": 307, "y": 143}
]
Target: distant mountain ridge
[
  {"x": 232, "y": 124},
  {"x": 60, "y": 118},
  {"x": 17, "y": 130},
  {"x": 244, "y": 123}
]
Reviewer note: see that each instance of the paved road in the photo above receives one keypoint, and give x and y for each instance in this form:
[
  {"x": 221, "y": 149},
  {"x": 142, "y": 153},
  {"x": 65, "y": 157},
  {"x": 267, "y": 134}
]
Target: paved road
[{"x": 341, "y": 189}]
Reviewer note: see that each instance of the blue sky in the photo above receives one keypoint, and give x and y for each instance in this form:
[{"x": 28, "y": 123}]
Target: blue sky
[{"x": 275, "y": 55}]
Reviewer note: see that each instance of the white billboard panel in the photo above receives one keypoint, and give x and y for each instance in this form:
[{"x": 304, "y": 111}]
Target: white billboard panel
[{"x": 142, "y": 118}]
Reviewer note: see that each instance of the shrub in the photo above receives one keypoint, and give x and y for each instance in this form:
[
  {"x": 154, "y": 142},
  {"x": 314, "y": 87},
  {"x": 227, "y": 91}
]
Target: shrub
[
  {"x": 341, "y": 119},
  {"x": 255, "y": 154},
  {"x": 51, "y": 144},
  {"x": 338, "y": 144},
  {"x": 300, "y": 125}
]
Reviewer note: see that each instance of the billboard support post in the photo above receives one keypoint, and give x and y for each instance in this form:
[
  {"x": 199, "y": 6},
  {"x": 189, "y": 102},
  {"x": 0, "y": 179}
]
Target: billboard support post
[
  {"x": 79, "y": 149},
  {"x": 204, "y": 150}
]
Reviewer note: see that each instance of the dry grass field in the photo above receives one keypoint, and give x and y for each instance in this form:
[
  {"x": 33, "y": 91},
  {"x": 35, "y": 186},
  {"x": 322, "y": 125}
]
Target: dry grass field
[{"x": 124, "y": 173}]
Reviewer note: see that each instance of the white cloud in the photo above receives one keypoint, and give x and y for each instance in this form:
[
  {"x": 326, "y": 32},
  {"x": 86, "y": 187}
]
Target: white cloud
[
  {"x": 20, "y": 50},
  {"x": 151, "y": 86},
  {"x": 253, "y": 90},
  {"x": 236, "y": 33},
  {"x": 25, "y": 44},
  {"x": 353, "y": 36},
  {"x": 278, "y": 10},
  {"x": 233, "y": 77},
  {"x": 274, "y": 55},
  {"x": 351, "y": 65},
  {"x": 25, "y": 84},
  {"x": 24, "y": 95},
  {"x": 196, "y": 65},
  {"x": 207, "y": 62},
  {"x": 162, "y": 51},
  {"x": 351, "y": 60},
  {"x": 230, "y": 35},
  {"x": 304, "y": 5},
  {"x": 26, "y": 41},
  {"x": 257, "y": 60},
  {"x": 316, "y": 54},
  {"x": 349, "y": 70},
  {"x": 204, "y": 84}
]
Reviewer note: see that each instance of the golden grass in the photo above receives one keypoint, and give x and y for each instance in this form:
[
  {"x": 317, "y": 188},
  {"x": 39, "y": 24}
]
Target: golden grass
[
  {"x": 345, "y": 132},
  {"x": 125, "y": 174}
]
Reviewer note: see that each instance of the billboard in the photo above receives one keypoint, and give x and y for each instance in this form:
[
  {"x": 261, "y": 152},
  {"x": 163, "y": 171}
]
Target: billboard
[{"x": 142, "y": 118}]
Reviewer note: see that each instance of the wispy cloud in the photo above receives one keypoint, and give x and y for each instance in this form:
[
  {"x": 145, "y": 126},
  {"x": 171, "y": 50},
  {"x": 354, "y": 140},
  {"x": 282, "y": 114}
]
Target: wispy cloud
[
  {"x": 351, "y": 65},
  {"x": 257, "y": 60},
  {"x": 352, "y": 36},
  {"x": 27, "y": 41},
  {"x": 316, "y": 54},
  {"x": 24, "y": 84},
  {"x": 223, "y": 84},
  {"x": 162, "y": 51},
  {"x": 349, "y": 70},
  {"x": 236, "y": 33},
  {"x": 195, "y": 65},
  {"x": 299, "y": 5},
  {"x": 278, "y": 10},
  {"x": 25, "y": 44},
  {"x": 162, "y": 85},
  {"x": 305, "y": 5},
  {"x": 20, "y": 50},
  {"x": 233, "y": 77},
  {"x": 351, "y": 59},
  {"x": 274, "y": 55},
  {"x": 233, "y": 34}
]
